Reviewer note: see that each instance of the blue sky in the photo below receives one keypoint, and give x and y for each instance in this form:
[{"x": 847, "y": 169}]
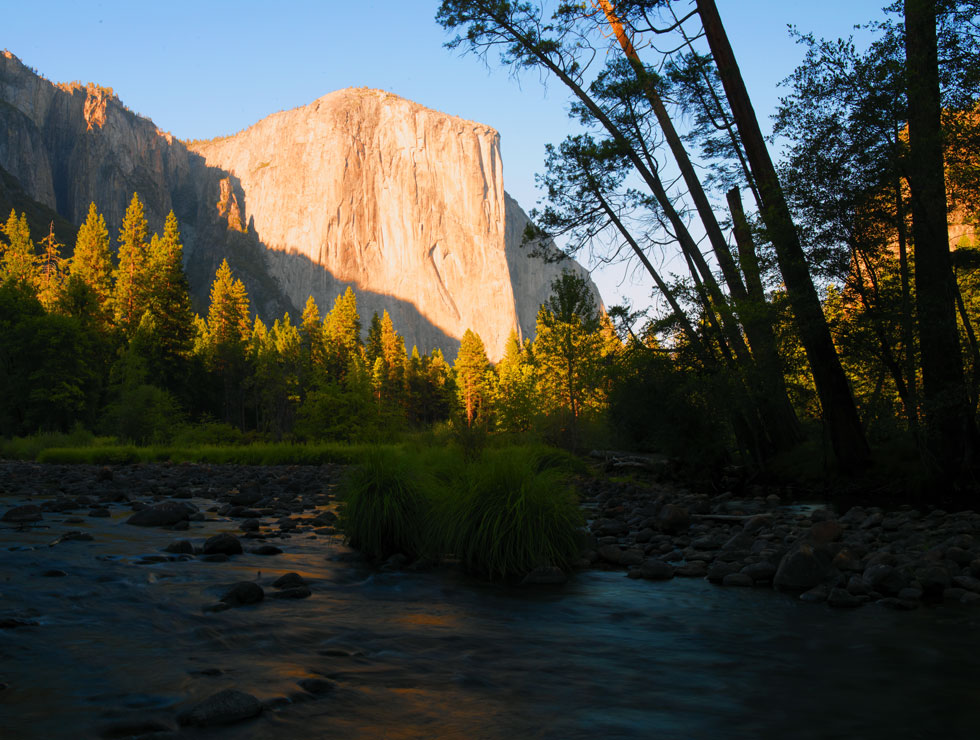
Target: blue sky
[{"x": 213, "y": 67}]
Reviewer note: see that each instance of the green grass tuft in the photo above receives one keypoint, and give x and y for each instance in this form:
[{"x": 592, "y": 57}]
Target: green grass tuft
[{"x": 387, "y": 505}]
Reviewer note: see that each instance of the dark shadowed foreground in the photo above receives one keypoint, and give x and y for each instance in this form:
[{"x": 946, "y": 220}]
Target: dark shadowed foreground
[{"x": 108, "y": 637}]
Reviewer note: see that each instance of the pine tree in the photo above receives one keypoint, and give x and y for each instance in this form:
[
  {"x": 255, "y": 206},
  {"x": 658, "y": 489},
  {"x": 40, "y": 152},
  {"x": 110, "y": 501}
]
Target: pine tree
[
  {"x": 19, "y": 260},
  {"x": 132, "y": 276},
  {"x": 518, "y": 398},
  {"x": 228, "y": 315},
  {"x": 311, "y": 332},
  {"x": 92, "y": 259},
  {"x": 51, "y": 272},
  {"x": 372, "y": 348},
  {"x": 342, "y": 330},
  {"x": 471, "y": 368},
  {"x": 169, "y": 300}
]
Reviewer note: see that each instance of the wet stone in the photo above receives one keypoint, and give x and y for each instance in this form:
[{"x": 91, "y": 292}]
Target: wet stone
[
  {"x": 841, "y": 599},
  {"x": 293, "y": 592},
  {"x": 26, "y": 514},
  {"x": 180, "y": 547},
  {"x": 737, "y": 579},
  {"x": 226, "y": 544},
  {"x": 224, "y": 708},
  {"x": 242, "y": 593},
  {"x": 316, "y": 686},
  {"x": 266, "y": 550}
]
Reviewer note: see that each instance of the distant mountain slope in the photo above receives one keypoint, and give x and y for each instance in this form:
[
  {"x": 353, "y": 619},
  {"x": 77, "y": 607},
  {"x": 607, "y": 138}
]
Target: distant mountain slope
[{"x": 359, "y": 188}]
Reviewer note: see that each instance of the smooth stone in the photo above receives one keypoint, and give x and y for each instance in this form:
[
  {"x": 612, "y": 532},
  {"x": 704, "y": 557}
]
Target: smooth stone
[
  {"x": 718, "y": 570},
  {"x": 242, "y": 593},
  {"x": 802, "y": 568},
  {"x": 26, "y": 514},
  {"x": 737, "y": 579},
  {"x": 673, "y": 519},
  {"x": 162, "y": 515},
  {"x": 224, "y": 708},
  {"x": 226, "y": 544},
  {"x": 100, "y": 513},
  {"x": 288, "y": 580},
  {"x": 891, "y": 602},
  {"x": 841, "y": 599},
  {"x": 266, "y": 550},
  {"x": 218, "y": 557},
  {"x": 180, "y": 547},
  {"x": 692, "y": 569},
  {"x": 762, "y": 572},
  {"x": 817, "y": 595}
]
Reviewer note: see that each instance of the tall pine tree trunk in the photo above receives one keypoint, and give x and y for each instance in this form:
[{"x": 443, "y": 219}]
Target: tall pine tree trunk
[
  {"x": 839, "y": 412},
  {"x": 949, "y": 427}
]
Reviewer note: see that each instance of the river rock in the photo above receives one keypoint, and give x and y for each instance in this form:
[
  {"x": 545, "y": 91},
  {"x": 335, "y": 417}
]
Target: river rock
[
  {"x": 692, "y": 569},
  {"x": 180, "y": 547},
  {"x": 842, "y": 599},
  {"x": 614, "y": 554},
  {"x": 762, "y": 572},
  {"x": 719, "y": 569},
  {"x": 289, "y": 580},
  {"x": 802, "y": 568},
  {"x": 737, "y": 579},
  {"x": 224, "y": 543},
  {"x": 242, "y": 593},
  {"x": 26, "y": 514},
  {"x": 162, "y": 515},
  {"x": 824, "y": 532},
  {"x": 817, "y": 595},
  {"x": 673, "y": 519},
  {"x": 885, "y": 579},
  {"x": 224, "y": 708},
  {"x": 266, "y": 550},
  {"x": 316, "y": 686}
]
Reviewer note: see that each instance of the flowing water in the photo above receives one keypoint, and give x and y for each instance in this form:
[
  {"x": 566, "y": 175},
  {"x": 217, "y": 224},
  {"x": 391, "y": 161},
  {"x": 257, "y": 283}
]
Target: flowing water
[{"x": 121, "y": 642}]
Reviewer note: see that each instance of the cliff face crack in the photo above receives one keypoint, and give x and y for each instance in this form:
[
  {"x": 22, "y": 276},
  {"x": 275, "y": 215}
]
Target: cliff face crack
[{"x": 444, "y": 291}]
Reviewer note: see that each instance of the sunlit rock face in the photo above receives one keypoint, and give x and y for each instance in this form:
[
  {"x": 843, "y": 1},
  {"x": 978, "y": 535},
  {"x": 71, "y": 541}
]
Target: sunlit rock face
[
  {"x": 359, "y": 188},
  {"x": 401, "y": 202}
]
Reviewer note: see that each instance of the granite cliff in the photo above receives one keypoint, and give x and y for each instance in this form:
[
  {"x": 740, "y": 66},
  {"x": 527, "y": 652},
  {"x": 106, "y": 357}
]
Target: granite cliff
[{"x": 359, "y": 188}]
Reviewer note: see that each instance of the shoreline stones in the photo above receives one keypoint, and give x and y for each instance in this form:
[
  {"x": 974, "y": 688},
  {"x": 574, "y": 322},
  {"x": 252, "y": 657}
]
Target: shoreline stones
[
  {"x": 224, "y": 708},
  {"x": 900, "y": 558}
]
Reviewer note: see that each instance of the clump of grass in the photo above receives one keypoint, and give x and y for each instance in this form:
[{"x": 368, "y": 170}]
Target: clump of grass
[
  {"x": 512, "y": 516},
  {"x": 502, "y": 515},
  {"x": 387, "y": 505}
]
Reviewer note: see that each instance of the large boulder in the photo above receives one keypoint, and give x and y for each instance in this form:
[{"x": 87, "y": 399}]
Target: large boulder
[
  {"x": 802, "y": 568},
  {"x": 23, "y": 515},
  {"x": 162, "y": 515}
]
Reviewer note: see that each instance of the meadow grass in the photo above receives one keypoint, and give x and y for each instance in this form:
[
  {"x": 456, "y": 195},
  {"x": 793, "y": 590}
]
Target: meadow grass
[{"x": 254, "y": 454}]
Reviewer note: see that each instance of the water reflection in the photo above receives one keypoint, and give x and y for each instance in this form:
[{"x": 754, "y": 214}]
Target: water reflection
[{"x": 439, "y": 655}]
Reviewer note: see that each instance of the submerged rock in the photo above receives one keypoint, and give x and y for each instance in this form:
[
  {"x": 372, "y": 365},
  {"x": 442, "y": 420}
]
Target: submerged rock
[
  {"x": 23, "y": 515},
  {"x": 289, "y": 580},
  {"x": 224, "y": 708},
  {"x": 242, "y": 593},
  {"x": 162, "y": 515},
  {"x": 224, "y": 544}
]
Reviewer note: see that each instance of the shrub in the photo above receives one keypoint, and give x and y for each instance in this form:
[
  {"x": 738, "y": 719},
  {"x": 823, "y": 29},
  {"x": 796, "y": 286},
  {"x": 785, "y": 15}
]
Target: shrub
[
  {"x": 513, "y": 514},
  {"x": 387, "y": 505}
]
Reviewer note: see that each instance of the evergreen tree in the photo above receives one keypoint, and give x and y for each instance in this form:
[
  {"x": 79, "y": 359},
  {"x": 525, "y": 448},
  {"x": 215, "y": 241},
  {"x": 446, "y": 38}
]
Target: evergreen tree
[
  {"x": 471, "y": 368},
  {"x": 518, "y": 399},
  {"x": 131, "y": 295},
  {"x": 229, "y": 328},
  {"x": 228, "y": 314},
  {"x": 372, "y": 348},
  {"x": 568, "y": 344},
  {"x": 342, "y": 329},
  {"x": 312, "y": 338},
  {"x": 92, "y": 259},
  {"x": 50, "y": 274},
  {"x": 19, "y": 260},
  {"x": 170, "y": 301}
]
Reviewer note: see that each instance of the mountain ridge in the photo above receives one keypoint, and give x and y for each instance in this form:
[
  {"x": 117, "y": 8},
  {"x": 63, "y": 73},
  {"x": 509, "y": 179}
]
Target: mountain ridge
[{"x": 360, "y": 187}]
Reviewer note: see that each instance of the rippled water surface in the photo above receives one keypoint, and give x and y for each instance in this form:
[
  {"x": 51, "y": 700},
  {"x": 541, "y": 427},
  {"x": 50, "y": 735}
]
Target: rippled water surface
[{"x": 438, "y": 655}]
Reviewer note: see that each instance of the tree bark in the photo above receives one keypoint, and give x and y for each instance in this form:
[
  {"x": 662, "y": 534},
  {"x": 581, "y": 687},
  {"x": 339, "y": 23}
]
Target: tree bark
[
  {"x": 949, "y": 427},
  {"x": 839, "y": 412}
]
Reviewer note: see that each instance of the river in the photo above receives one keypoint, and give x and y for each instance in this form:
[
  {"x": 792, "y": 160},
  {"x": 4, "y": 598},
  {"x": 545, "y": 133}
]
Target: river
[{"x": 122, "y": 643}]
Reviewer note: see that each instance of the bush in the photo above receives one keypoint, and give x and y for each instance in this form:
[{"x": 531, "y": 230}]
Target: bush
[
  {"x": 143, "y": 414},
  {"x": 387, "y": 505},
  {"x": 502, "y": 515},
  {"x": 208, "y": 433},
  {"x": 514, "y": 514}
]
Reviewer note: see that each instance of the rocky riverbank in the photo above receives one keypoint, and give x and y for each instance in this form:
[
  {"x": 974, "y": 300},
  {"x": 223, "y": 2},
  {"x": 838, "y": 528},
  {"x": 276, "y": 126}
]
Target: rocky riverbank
[{"x": 899, "y": 559}]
